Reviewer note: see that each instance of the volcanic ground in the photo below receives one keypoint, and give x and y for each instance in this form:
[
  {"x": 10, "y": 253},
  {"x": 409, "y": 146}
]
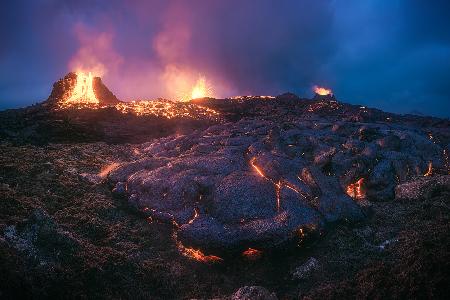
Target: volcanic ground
[{"x": 254, "y": 196}]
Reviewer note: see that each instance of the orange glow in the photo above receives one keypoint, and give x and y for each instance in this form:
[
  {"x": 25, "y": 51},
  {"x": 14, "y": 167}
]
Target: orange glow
[
  {"x": 201, "y": 89},
  {"x": 296, "y": 190},
  {"x": 252, "y": 254},
  {"x": 166, "y": 108},
  {"x": 83, "y": 92},
  {"x": 258, "y": 170},
  {"x": 355, "y": 190},
  {"x": 195, "y": 254},
  {"x": 107, "y": 169},
  {"x": 430, "y": 169},
  {"x": 183, "y": 84},
  {"x": 278, "y": 185},
  {"x": 194, "y": 217},
  {"x": 159, "y": 108},
  {"x": 322, "y": 91},
  {"x": 200, "y": 256},
  {"x": 250, "y": 97}
]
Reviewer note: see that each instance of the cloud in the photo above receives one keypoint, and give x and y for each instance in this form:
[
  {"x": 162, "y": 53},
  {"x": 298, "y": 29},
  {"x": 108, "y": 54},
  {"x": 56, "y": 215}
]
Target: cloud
[
  {"x": 95, "y": 53},
  {"x": 388, "y": 55}
]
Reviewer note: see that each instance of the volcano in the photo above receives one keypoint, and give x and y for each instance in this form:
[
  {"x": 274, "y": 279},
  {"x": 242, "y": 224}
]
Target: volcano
[
  {"x": 80, "y": 90},
  {"x": 233, "y": 181}
]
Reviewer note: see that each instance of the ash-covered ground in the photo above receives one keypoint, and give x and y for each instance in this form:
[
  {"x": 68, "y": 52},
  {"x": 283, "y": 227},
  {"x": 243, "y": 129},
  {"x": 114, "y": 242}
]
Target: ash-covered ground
[{"x": 269, "y": 197}]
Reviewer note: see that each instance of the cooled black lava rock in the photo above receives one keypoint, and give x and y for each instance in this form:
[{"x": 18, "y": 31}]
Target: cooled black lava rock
[
  {"x": 423, "y": 188},
  {"x": 284, "y": 168}
]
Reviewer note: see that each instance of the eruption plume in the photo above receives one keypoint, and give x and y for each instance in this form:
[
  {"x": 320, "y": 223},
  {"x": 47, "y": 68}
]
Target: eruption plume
[
  {"x": 322, "y": 91},
  {"x": 201, "y": 89}
]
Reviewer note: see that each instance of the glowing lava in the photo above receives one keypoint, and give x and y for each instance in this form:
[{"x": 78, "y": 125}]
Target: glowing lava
[
  {"x": 355, "y": 190},
  {"x": 322, "y": 91},
  {"x": 194, "y": 217},
  {"x": 201, "y": 89},
  {"x": 257, "y": 169},
  {"x": 83, "y": 92},
  {"x": 430, "y": 169},
  {"x": 252, "y": 254},
  {"x": 278, "y": 185},
  {"x": 167, "y": 109},
  {"x": 195, "y": 254}
]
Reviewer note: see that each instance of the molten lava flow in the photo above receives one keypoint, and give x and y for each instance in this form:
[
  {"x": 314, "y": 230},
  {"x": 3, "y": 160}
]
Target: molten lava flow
[
  {"x": 199, "y": 255},
  {"x": 322, "y": 91},
  {"x": 194, "y": 217},
  {"x": 83, "y": 92},
  {"x": 430, "y": 169},
  {"x": 201, "y": 89},
  {"x": 297, "y": 190},
  {"x": 278, "y": 185},
  {"x": 250, "y": 97},
  {"x": 195, "y": 254},
  {"x": 167, "y": 109},
  {"x": 252, "y": 254},
  {"x": 258, "y": 170},
  {"x": 355, "y": 190}
]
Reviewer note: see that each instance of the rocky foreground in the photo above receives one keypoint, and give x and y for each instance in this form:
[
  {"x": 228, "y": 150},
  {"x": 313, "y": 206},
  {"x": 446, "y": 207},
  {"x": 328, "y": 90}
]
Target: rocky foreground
[{"x": 246, "y": 198}]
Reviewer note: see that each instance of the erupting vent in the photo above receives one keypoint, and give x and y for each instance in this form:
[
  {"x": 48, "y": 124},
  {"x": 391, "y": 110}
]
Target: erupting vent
[
  {"x": 83, "y": 92},
  {"x": 201, "y": 89},
  {"x": 80, "y": 90},
  {"x": 322, "y": 91}
]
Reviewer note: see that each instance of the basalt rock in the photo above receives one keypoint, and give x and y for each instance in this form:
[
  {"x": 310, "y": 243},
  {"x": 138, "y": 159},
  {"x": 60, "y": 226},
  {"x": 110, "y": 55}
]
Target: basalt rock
[
  {"x": 40, "y": 238},
  {"x": 278, "y": 170},
  {"x": 423, "y": 188}
]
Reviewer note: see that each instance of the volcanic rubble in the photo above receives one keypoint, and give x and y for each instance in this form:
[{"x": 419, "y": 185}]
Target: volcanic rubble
[{"x": 265, "y": 174}]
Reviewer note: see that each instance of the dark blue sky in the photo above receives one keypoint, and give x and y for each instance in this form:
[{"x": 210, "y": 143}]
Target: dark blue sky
[{"x": 393, "y": 55}]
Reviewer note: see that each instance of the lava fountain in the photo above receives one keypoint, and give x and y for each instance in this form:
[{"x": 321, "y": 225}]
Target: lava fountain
[
  {"x": 201, "y": 89},
  {"x": 322, "y": 91},
  {"x": 83, "y": 92}
]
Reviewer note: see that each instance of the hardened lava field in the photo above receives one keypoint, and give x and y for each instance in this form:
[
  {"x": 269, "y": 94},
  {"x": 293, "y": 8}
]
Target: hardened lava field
[{"x": 213, "y": 197}]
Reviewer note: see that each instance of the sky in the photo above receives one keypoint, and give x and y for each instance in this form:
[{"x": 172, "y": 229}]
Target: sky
[{"x": 393, "y": 55}]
